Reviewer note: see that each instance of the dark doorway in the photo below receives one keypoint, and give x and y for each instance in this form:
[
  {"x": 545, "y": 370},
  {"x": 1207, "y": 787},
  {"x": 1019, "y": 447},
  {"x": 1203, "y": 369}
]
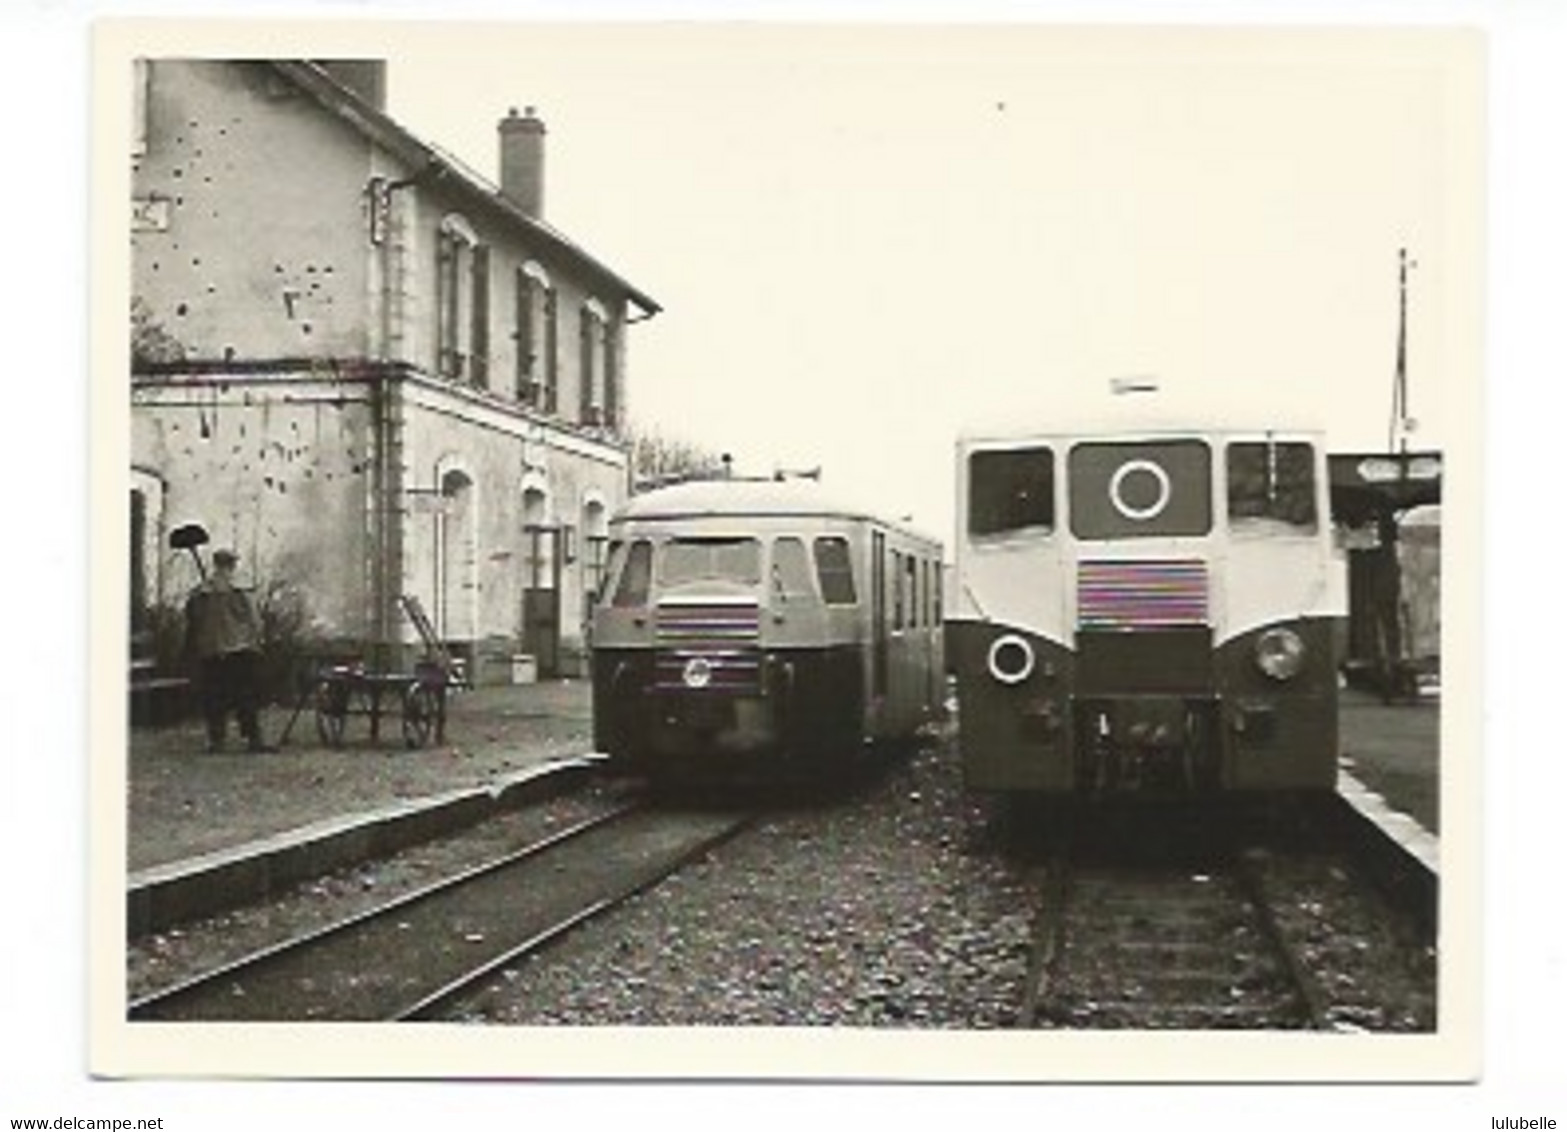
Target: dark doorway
[{"x": 541, "y": 597}]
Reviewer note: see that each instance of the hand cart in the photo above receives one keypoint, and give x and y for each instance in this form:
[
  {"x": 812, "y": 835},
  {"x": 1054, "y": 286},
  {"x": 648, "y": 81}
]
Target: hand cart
[{"x": 346, "y": 689}]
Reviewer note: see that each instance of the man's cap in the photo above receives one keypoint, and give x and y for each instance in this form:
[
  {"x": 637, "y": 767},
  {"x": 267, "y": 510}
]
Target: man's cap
[{"x": 224, "y": 557}]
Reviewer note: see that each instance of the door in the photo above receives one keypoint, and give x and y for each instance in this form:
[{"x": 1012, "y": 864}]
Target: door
[{"x": 541, "y": 597}]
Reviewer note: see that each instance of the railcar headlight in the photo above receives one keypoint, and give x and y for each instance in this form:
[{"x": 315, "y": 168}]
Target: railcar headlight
[
  {"x": 698, "y": 672},
  {"x": 1011, "y": 659},
  {"x": 1280, "y": 653}
]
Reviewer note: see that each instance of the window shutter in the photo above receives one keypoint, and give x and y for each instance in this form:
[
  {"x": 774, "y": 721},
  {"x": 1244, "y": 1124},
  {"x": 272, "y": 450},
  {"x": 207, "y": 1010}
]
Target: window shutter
[
  {"x": 479, "y": 339},
  {"x": 524, "y": 318},
  {"x": 585, "y": 339},
  {"x": 551, "y": 351},
  {"x": 611, "y": 373},
  {"x": 445, "y": 305}
]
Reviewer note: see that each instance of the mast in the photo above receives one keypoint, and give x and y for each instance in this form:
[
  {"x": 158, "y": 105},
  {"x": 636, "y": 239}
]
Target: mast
[{"x": 1400, "y": 423}]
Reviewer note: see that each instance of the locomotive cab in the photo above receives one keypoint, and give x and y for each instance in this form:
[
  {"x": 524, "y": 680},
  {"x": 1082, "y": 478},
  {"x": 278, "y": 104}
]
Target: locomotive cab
[{"x": 1147, "y": 612}]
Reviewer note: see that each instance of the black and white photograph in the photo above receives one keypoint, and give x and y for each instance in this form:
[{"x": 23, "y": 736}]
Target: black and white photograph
[
  {"x": 1010, "y": 604},
  {"x": 766, "y": 551}
]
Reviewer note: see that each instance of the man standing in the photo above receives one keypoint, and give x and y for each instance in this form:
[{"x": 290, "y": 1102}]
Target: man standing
[{"x": 223, "y": 635}]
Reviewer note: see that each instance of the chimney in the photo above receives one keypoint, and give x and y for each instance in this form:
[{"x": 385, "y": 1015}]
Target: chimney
[
  {"x": 365, "y": 77},
  {"x": 522, "y": 161}
]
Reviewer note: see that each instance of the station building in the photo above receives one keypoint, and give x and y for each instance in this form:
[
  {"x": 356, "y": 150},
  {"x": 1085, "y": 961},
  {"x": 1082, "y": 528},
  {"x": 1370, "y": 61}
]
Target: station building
[{"x": 367, "y": 369}]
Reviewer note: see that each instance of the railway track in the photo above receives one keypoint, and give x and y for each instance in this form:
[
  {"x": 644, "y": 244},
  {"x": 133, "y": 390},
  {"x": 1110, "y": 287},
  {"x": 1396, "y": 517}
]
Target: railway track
[
  {"x": 406, "y": 959},
  {"x": 1186, "y": 929}
]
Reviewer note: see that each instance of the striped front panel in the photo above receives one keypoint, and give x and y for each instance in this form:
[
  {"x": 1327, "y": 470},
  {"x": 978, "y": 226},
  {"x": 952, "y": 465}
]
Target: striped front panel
[
  {"x": 1142, "y": 593},
  {"x": 707, "y": 622},
  {"x": 725, "y": 671}
]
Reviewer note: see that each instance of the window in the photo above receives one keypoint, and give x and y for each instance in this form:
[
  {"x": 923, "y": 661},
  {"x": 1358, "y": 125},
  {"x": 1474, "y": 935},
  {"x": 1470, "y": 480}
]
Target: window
[
  {"x": 1011, "y": 490},
  {"x": 1272, "y": 481},
  {"x": 540, "y": 555},
  {"x": 141, "y": 77},
  {"x": 834, "y": 570},
  {"x": 462, "y": 303},
  {"x": 924, "y": 615},
  {"x": 698, "y": 559},
  {"x": 897, "y": 589},
  {"x": 1140, "y": 489},
  {"x": 591, "y": 345},
  {"x": 532, "y": 292},
  {"x": 551, "y": 392},
  {"x": 595, "y": 542},
  {"x": 910, "y": 585},
  {"x": 636, "y": 575},
  {"x": 792, "y": 571}
]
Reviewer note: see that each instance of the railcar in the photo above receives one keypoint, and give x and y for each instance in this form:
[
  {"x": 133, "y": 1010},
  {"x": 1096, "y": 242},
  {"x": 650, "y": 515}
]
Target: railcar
[
  {"x": 1150, "y": 611},
  {"x": 747, "y": 624}
]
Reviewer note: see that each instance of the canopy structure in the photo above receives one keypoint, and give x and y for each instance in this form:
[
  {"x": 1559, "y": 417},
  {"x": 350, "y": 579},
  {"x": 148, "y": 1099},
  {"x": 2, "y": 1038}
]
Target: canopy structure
[
  {"x": 1394, "y": 618},
  {"x": 1380, "y": 485}
]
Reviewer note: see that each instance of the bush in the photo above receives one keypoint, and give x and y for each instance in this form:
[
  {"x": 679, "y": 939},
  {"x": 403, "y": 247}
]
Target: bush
[
  {"x": 161, "y": 636},
  {"x": 288, "y": 638}
]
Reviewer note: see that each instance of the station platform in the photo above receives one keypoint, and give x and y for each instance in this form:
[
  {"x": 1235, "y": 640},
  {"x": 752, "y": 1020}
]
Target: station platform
[
  {"x": 191, "y": 813},
  {"x": 185, "y": 803},
  {"x": 1394, "y": 750}
]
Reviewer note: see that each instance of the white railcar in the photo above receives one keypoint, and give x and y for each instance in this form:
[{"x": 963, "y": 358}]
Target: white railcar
[{"x": 1152, "y": 609}]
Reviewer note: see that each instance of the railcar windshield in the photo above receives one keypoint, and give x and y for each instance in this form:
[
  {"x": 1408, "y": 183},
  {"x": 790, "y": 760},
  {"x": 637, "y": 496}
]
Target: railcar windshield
[
  {"x": 1272, "y": 483},
  {"x": 1011, "y": 490},
  {"x": 701, "y": 559},
  {"x": 612, "y": 560},
  {"x": 633, "y": 585},
  {"x": 792, "y": 570}
]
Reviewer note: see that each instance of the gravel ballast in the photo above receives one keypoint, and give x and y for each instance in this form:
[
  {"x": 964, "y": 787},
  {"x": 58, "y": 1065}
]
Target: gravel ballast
[{"x": 874, "y": 906}]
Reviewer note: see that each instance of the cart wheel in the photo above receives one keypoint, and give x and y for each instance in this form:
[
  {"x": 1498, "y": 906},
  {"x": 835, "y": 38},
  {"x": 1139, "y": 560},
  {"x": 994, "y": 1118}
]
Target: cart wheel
[
  {"x": 420, "y": 706},
  {"x": 331, "y": 713}
]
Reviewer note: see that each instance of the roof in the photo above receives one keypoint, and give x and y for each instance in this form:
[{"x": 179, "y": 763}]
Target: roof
[
  {"x": 772, "y": 498},
  {"x": 1111, "y": 431},
  {"x": 1108, "y": 417},
  {"x": 433, "y": 163}
]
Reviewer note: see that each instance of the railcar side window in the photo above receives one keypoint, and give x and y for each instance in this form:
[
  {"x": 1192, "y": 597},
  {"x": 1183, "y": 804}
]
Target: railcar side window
[
  {"x": 1010, "y": 490},
  {"x": 1272, "y": 481},
  {"x": 835, "y": 571},
  {"x": 896, "y": 583},
  {"x": 791, "y": 571},
  {"x": 635, "y": 575},
  {"x": 911, "y": 583},
  {"x": 696, "y": 559}
]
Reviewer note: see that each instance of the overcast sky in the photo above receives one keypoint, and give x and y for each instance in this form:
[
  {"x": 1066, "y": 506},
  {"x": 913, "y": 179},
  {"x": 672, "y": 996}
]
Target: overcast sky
[{"x": 868, "y": 238}]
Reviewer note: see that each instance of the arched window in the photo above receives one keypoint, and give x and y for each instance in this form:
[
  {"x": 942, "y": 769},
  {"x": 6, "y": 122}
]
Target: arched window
[
  {"x": 593, "y": 348},
  {"x": 595, "y": 543},
  {"x": 456, "y": 558},
  {"x": 538, "y": 546},
  {"x": 462, "y": 300},
  {"x": 536, "y": 365}
]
